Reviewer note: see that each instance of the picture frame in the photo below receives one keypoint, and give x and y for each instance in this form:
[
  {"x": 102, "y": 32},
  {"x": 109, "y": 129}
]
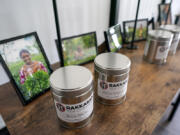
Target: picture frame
[
  {"x": 25, "y": 61},
  {"x": 164, "y": 10},
  {"x": 151, "y": 24},
  {"x": 141, "y": 30},
  {"x": 79, "y": 49},
  {"x": 113, "y": 38}
]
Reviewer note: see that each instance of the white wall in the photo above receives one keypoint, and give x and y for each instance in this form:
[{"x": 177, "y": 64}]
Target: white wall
[
  {"x": 18, "y": 17},
  {"x": 148, "y": 9},
  {"x": 84, "y": 16},
  {"x": 175, "y": 9}
]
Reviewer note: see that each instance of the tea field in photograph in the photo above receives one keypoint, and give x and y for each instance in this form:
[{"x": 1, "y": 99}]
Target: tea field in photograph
[
  {"x": 79, "y": 50},
  {"x": 33, "y": 85}
]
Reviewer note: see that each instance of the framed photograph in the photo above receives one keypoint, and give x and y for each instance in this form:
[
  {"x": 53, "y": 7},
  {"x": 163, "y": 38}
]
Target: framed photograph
[
  {"x": 26, "y": 64},
  {"x": 114, "y": 39},
  {"x": 79, "y": 49},
  {"x": 165, "y": 14},
  {"x": 141, "y": 30}
]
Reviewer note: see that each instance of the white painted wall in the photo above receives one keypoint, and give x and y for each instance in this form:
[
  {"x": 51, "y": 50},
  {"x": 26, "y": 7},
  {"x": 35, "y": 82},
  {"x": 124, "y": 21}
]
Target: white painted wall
[
  {"x": 175, "y": 9},
  {"x": 84, "y": 16},
  {"x": 148, "y": 9},
  {"x": 18, "y": 17}
]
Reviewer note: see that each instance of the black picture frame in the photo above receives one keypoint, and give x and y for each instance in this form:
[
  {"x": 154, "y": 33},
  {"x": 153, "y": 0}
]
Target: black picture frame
[
  {"x": 77, "y": 36},
  {"x": 168, "y": 18},
  {"x": 12, "y": 80},
  {"x": 151, "y": 24},
  {"x": 109, "y": 39},
  {"x": 133, "y": 21},
  {"x": 177, "y": 20}
]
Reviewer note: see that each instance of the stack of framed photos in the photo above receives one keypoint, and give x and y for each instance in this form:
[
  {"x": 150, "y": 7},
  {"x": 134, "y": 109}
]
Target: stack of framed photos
[
  {"x": 26, "y": 64},
  {"x": 79, "y": 49},
  {"x": 114, "y": 38},
  {"x": 141, "y": 30}
]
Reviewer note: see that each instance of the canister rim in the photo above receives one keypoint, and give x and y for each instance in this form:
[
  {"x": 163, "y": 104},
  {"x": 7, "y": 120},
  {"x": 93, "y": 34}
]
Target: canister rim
[
  {"x": 171, "y": 27},
  {"x": 120, "y": 61},
  {"x": 160, "y": 35},
  {"x": 70, "y": 90},
  {"x": 80, "y": 79}
]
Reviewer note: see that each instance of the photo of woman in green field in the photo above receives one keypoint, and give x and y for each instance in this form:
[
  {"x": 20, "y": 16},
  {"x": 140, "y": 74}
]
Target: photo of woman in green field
[
  {"x": 30, "y": 67},
  {"x": 27, "y": 65}
]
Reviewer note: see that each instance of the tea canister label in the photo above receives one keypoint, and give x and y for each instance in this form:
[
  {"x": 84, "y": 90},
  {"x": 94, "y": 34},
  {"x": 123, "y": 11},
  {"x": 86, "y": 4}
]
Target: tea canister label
[
  {"x": 162, "y": 52},
  {"x": 75, "y": 112},
  {"x": 112, "y": 90}
]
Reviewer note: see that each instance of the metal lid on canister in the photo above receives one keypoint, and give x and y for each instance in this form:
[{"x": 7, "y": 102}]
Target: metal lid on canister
[
  {"x": 71, "y": 79},
  {"x": 112, "y": 63},
  {"x": 160, "y": 35},
  {"x": 171, "y": 28}
]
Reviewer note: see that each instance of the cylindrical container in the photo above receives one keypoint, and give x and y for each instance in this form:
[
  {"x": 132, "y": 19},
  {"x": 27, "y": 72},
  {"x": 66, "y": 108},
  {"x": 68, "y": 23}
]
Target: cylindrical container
[
  {"x": 111, "y": 77},
  {"x": 72, "y": 90},
  {"x": 176, "y": 31},
  {"x": 157, "y": 46}
]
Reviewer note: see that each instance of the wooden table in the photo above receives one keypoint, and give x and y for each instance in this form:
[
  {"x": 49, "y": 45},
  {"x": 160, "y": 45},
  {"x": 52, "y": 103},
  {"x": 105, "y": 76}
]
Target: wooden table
[{"x": 150, "y": 90}]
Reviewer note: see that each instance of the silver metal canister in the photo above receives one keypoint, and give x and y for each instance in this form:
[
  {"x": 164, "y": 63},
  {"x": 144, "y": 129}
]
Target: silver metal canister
[
  {"x": 157, "y": 46},
  {"x": 176, "y": 31},
  {"x": 111, "y": 77},
  {"x": 72, "y": 90}
]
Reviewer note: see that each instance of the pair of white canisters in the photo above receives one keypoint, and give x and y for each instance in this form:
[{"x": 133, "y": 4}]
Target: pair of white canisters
[
  {"x": 73, "y": 88},
  {"x": 160, "y": 43}
]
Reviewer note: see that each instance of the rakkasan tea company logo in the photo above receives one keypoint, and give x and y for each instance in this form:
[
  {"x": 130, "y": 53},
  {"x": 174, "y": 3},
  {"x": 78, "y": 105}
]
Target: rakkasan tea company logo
[
  {"x": 103, "y": 85},
  {"x": 60, "y": 107}
]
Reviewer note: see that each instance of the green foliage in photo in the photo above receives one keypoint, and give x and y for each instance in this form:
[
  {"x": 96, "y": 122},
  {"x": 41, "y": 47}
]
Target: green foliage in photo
[
  {"x": 112, "y": 44},
  {"x": 79, "y": 50},
  {"x": 140, "y": 34},
  {"x": 15, "y": 68},
  {"x": 36, "y": 83}
]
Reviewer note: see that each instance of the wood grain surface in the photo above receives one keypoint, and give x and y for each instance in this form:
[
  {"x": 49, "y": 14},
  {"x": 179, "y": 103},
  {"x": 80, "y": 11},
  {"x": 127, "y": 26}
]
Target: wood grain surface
[{"x": 150, "y": 90}]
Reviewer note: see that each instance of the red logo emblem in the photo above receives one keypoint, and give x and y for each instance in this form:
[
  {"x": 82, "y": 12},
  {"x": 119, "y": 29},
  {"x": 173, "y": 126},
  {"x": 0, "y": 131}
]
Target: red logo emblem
[
  {"x": 60, "y": 107},
  {"x": 103, "y": 85}
]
